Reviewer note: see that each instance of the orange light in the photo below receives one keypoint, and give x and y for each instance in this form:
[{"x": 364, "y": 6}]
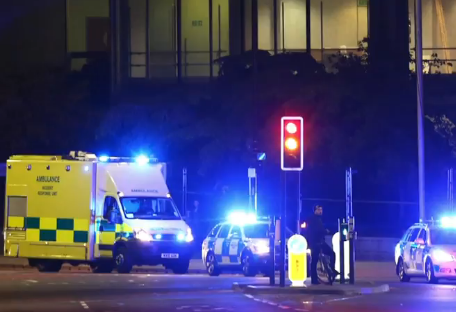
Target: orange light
[
  {"x": 291, "y": 144},
  {"x": 291, "y": 127}
]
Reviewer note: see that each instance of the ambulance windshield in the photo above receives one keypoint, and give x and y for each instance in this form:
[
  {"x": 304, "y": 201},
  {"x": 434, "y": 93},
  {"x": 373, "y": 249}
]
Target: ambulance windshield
[{"x": 152, "y": 208}]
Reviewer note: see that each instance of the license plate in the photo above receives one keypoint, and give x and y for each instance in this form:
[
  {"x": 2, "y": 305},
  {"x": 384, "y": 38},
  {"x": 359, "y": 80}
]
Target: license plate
[{"x": 170, "y": 255}]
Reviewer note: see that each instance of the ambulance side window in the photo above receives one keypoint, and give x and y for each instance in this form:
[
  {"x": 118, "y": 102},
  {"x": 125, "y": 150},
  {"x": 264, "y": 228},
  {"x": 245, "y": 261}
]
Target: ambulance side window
[{"x": 109, "y": 205}]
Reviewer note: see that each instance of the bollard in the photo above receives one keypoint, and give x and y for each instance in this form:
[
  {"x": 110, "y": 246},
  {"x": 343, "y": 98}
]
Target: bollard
[
  {"x": 272, "y": 250},
  {"x": 297, "y": 260}
]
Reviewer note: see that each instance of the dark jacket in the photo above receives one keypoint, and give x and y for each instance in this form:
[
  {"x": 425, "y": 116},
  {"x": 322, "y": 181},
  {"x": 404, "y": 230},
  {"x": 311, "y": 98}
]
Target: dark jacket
[{"x": 315, "y": 230}]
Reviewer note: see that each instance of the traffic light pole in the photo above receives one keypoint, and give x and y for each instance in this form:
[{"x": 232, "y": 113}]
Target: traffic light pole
[
  {"x": 283, "y": 224},
  {"x": 341, "y": 253},
  {"x": 272, "y": 223}
]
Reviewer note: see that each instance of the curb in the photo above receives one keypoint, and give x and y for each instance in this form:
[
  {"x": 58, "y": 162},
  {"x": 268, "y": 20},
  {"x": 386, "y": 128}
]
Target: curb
[{"x": 327, "y": 290}]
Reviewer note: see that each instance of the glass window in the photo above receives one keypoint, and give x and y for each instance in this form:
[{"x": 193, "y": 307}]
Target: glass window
[
  {"x": 406, "y": 234},
  {"x": 256, "y": 230},
  {"x": 236, "y": 231},
  {"x": 413, "y": 235},
  {"x": 150, "y": 208},
  {"x": 109, "y": 205},
  {"x": 215, "y": 230},
  {"x": 224, "y": 231},
  {"x": 443, "y": 236},
  {"x": 423, "y": 235}
]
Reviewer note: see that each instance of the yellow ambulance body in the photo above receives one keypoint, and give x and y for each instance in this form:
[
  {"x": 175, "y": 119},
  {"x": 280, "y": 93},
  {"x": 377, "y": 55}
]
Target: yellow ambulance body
[{"x": 56, "y": 212}]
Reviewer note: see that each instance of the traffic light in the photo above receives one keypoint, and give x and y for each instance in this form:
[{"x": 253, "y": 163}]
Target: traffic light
[
  {"x": 292, "y": 143},
  {"x": 343, "y": 231}
]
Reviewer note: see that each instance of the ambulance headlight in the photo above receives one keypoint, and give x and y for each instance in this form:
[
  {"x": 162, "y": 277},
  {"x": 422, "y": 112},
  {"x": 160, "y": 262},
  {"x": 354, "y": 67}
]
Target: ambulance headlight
[
  {"x": 261, "y": 248},
  {"x": 142, "y": 235},
  {"x": 185, "y": 237}
]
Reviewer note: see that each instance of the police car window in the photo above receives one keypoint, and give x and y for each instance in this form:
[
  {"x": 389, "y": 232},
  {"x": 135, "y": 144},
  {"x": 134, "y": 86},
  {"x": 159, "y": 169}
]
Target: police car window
[
  {"x": 215, "y": 230},
  {"x": 407, "y": 233},
  {"x": 443, "y": 236},
  {"x": 236, "y": 231},
  {"x": 224, "y": 231},
  {"x": 423, "y": 235},
  {"x": 413, "y": 236},
  {"x": 256, "y": 230}
]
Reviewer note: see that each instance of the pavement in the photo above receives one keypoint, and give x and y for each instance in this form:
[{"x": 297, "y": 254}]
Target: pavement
[
  {"x": 364, "y": 270},
  {"x": 29, "y": 290}
]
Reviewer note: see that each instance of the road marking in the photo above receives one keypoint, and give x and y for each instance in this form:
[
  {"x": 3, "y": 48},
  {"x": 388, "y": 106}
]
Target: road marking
[
  {"x": 84, "y": 305},
  {"x": 31, "y": 281}
]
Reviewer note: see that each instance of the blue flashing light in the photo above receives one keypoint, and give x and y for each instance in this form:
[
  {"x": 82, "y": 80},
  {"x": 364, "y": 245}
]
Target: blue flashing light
[
  {"x": 142, "y": 160},
  {"x": 448, "y": 222},
  {"x": 241, "y": 218},
  {"x": 158, "y": 236},
  {"x": 261, "y": 156},
  {"x": 103, "y": 158}
]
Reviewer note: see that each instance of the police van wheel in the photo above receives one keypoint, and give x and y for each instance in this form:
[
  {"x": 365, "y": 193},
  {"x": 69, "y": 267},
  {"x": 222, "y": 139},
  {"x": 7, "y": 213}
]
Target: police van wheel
[
  {"x": 248, "y": 268},
  {"x": 102, "y": 266},
  {"x": 430, "y": 277},
  {"x": 181, "y": 266},
  {"x": 212, "y": 267},
  {"x": 122, "y": 261},
  {"x": 403, "y": 277},
  {"x": 49, "y": 265}
]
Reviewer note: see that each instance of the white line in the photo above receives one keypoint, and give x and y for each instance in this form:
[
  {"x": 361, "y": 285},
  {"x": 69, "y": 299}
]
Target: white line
[
  {"x": 84, "y": 305},
  {"x": 249, "y": 296},
  {"x": 31, "y": 281}
]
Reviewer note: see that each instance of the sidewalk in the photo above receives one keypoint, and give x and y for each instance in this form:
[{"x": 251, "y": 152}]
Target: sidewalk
[{"x": 378, "y": 271}]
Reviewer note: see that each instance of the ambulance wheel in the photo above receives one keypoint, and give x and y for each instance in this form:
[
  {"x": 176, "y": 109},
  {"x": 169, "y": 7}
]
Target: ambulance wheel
[
  {"x": 49, "y": 265},
  {"x": 248, "y": 267},
  {"x": 212, "y": 267},
  {"x": 102, "y": 266},
  {"x": 181, "y": 266},
  {"x": 122, "y": 260},
  {"x": 430, "y": 277},
  {"x": 403, "y": 277}
]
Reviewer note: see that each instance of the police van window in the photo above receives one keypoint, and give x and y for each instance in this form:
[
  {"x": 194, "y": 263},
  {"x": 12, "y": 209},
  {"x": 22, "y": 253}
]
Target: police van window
[
  {"x": 423, "y": 235},
  {"x": 215, "y": 230},
  {"x": 224, "y": 231},
  {"x": 413, "y": 236},
  {"x": 109, "y": 204},
  {"x": 236, "y": 231}
]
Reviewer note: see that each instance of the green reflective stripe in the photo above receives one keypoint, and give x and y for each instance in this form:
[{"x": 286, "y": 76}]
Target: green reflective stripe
[
  {"x": 48, "y": 235},
  {"x": 32, "y": 223},
  {"x": 65, "y": 224},
  {"x": 81, "y": 237}
]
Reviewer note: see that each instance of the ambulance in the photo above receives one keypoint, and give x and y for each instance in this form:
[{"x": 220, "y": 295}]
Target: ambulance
[{"x": 108, "y": 212}]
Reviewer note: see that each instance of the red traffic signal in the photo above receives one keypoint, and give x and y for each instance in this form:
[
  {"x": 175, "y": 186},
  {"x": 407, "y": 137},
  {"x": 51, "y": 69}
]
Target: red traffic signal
[{"x": 292, "y": 143}]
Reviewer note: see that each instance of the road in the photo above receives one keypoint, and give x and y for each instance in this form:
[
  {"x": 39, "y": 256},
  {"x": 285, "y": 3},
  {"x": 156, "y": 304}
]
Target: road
[{"x": 33, "y": 291}]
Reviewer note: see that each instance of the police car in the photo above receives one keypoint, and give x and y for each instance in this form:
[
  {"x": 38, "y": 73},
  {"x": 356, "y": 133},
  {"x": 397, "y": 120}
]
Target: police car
[
  {"x": 428, "y": 250},
  {"x": 240, "y": 243}
]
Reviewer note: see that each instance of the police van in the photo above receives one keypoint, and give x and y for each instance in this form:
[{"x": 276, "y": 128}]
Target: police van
[
  {"x": 428, "y": 249},
  {"x": 109, "y": 212}
]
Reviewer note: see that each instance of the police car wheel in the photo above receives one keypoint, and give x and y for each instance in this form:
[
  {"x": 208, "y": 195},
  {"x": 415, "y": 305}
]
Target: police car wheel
[
  {"x": 403, "y": 277},
  {"x": 211, "y": 265},
  {"x": 248, "y": 267},
  {"x": 430, "y": 277},
  {"x": 122, "y": 260},
  {"x": 181, "y": 266}
]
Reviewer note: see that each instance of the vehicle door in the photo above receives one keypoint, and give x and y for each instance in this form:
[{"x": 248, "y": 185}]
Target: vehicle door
[
  {"x": 409, "y": 263},
  {"x": 418, "y": 250},
  {"x": 232, "y": 246},
  {"x": 209, "y": 241},
  {"x": 107, "y": 226},
  {"x": 220, "y": 244}
]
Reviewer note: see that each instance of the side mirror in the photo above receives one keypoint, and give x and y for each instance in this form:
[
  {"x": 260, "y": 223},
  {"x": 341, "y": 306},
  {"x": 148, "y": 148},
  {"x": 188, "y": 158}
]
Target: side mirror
[
  {"x": 420, "y": 241},
  {"x": 114, "y": 217}
]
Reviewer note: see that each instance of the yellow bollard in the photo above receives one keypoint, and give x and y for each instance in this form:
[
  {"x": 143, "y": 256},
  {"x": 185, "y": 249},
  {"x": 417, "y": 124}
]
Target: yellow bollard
[{"x": 297, "y": 260}]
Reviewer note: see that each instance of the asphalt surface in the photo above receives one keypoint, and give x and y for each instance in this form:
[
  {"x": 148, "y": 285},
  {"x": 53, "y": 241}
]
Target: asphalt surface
[{"x": 33, "y": 291}]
